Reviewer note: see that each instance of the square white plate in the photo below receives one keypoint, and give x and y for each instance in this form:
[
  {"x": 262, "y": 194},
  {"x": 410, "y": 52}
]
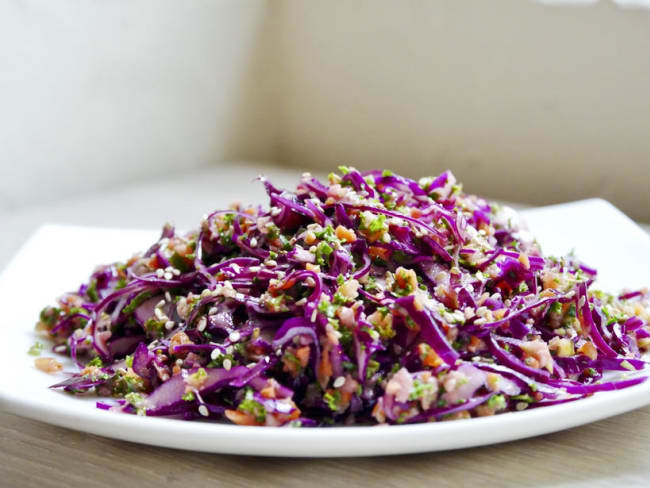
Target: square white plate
[{"x": 59, "y": 258}]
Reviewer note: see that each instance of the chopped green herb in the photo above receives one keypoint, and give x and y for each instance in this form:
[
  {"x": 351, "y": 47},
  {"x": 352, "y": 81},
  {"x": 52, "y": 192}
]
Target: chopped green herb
[
  {"x": 179, "y": 262},
  {"x": 96, "y": 361},
  {"x": 138, "y": 300},
  {"x": 497, "y": 402},
  {"x": 252, "y": 406},
  {"x": 323, "y": 251},
  {"x": 333, "y": 400},
  {"x": 377, "y": 225},
  {"x": 372, "y": 368},
  {"x": 36, "y": 349},
  {"x": 92, "y": 291},
  {"x": 121, "y": 283}
]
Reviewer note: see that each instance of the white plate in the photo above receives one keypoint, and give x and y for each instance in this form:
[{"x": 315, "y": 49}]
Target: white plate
[{"x": 58, "y": 258}]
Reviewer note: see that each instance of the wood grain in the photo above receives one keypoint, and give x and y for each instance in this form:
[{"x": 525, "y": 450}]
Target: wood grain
[{"x": 607, "y": 453}]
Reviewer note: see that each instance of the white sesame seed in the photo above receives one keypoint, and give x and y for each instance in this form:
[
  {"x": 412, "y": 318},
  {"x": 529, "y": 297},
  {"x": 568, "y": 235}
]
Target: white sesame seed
[
  {"x": 201, "y": 325},
  {"x": 215, "y": 354},
  {"x": 159, "y": 315},
  {"x": 314, "y": 314},
  {"x": 253, "y": 242},
  {"x": 179, "y": 362},
  {"x": 213, "y": 311},
  {"x": 234, "y": 336},
  {"x": 168, "y": 275},
  {"x": 161, "y": 303},
  {"x": 160, "y": 272},
  {"x": 203, "y": 410},
  {"x": 459, "y": 315},
  {"x": 227, "y": 364},
  {"x": 60, "y": 348},
  {"x": 254, "y": 269},
  {"x": 169, "y": 325},
  {"x": 301, "y": 302},
  {"x": 339, "y": 382},
  {"x": 276, "y": 211},
  {"x": 271, "y": 262},
  {"x": 229, "y": 350},
  {"x": 168, "y": 296},
  {"x": 205, "y": 293},
  {"x": 176, "y": 272},
  {"x": 169, "y": 268}
]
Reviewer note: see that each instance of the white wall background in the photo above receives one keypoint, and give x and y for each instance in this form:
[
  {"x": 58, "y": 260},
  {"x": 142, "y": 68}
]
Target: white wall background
[
  {"x": 95, "y": 93},
  {"x": 522, "y": 100}
]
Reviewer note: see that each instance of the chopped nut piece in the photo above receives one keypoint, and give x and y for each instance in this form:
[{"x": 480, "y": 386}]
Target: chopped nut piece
[
  {"x": 178, "y": 339},
  {"x": 589, "y": 350},
  {"x": 349, "y": 289},
  {"x": 563, "y": 347},
  {"x": 48, "y": 365},
  {"x": 345, "y": 234}
]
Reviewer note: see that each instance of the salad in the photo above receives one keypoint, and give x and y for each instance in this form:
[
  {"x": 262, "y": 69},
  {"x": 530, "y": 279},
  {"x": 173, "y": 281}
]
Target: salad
[{"x": 366, "y": 299}]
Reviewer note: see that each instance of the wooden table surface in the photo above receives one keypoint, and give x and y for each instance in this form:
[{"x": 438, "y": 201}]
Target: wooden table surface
[
  {"x": 612, "y": 452},
  {"x": 607, "y": 453}
]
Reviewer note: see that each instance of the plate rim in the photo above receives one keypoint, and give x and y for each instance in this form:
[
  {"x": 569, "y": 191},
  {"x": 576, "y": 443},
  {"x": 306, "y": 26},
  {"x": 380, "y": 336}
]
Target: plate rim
[{"x": 379, "y": 440}]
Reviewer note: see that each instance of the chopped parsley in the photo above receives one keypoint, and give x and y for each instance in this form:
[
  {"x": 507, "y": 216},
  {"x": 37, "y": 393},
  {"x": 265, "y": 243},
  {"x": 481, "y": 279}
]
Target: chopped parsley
[
  {"x": 333, "y": 400},
  {"x": 36, "y": 349},
  {"x": 252, "y": 406}
]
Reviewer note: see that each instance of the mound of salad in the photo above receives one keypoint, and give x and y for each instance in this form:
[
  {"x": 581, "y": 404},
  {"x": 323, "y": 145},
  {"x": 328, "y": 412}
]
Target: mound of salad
[{"x": 367, "y": 299}]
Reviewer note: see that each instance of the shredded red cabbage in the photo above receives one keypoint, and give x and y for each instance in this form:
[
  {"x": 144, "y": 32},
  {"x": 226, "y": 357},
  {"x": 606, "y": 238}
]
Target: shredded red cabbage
[{"x": 371, "y": 298}]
